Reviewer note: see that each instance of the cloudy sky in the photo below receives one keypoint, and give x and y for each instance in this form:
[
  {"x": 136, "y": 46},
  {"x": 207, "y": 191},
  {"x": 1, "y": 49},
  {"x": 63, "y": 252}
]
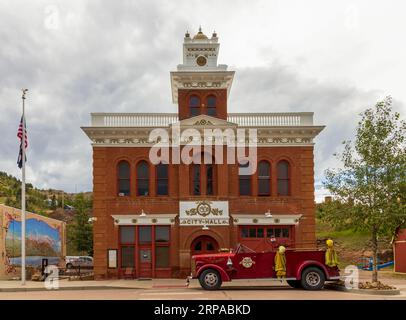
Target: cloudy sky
[{"x": 76, "y": 57}]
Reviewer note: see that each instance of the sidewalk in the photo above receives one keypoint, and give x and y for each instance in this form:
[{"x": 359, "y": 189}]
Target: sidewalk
[
  {"x": 15, "y": 286},
  {"x": 64, "y": 284}
]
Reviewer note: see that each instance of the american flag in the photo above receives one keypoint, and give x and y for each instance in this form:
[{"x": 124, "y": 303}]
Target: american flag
[{"x": 20, "y": 136}]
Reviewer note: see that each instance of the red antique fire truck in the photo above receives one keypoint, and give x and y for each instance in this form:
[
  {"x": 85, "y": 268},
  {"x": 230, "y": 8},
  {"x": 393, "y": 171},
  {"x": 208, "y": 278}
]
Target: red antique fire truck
[{"x": 304, "y": 268}]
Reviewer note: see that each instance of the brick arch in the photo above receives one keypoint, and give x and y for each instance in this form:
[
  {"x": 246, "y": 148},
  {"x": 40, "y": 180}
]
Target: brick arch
[
  {"x": 208, "y": 94},
  {"x": 118, "y": 159},
  {"x": 193, "y": 93},
  {"x": 284, "y": 158},
  {"x": 199, "y": 232}
]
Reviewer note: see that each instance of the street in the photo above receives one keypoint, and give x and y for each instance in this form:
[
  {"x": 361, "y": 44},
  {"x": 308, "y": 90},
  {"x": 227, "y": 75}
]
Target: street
[{"x": 231, "y": 293}]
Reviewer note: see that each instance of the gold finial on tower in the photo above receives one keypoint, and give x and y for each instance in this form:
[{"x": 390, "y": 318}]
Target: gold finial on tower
[{"x": 200, "y": 35}]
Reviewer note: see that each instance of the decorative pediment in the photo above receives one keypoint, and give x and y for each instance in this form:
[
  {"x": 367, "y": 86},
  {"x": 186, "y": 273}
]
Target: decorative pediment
[{"x": 205, "y": 120}]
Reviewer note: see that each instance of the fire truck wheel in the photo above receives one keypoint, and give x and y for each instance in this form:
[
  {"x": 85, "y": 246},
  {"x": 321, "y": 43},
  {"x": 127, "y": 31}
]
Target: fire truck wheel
[
  {"x": 294, "y": 284},
  {"x": 210, "y": 279},
  {"x": 312, "y": 278}
]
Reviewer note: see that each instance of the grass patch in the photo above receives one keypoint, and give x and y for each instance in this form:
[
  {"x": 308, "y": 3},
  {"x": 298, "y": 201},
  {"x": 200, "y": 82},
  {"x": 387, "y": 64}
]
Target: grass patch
[
  {"x": 349, "y": 243},
  {"x": 349, "y": 238}
]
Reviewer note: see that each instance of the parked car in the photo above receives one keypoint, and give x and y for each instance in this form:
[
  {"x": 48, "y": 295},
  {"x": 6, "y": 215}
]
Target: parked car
[
  {"x": 78, "y": 261},
  {"x": 304, "y": 268}
]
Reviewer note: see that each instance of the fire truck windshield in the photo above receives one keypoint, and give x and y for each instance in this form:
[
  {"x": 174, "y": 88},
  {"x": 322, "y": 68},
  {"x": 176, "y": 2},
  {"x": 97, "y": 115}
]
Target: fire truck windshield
[{"x": 243, "y": 249}]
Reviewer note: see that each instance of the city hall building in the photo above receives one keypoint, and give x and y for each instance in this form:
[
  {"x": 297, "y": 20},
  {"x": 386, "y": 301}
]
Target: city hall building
[{"x": 150, "y": 218}]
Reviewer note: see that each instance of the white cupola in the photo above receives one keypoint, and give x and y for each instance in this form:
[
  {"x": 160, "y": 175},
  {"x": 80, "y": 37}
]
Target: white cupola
[{"x": 200, "y": 53}]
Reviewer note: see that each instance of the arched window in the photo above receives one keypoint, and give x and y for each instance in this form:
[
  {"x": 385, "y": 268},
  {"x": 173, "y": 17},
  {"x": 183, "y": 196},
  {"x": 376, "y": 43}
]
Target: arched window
[
  {"x": 196, "y": 190},
  {"x": 142, "y": 178},
  {"x": 203, "y": 175},
  {"x": 123, "y": 177},
  {"x": 194, "y": 105},
  {"x": 209, "y": 179},
  {"x": 264, "y": 178},
  {"x": 283, "y": 178},
  {"x": 211, "y": 106},
  {"x": 162, "y": 179},
  {"x": 244, "y": 182}
]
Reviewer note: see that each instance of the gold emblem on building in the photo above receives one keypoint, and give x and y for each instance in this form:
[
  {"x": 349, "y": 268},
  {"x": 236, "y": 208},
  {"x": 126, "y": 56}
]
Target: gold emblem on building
[
  {"x": 247, "y": 262},
  {"x": 203, "y": 208},
  {"x": 203, "y": 122}
]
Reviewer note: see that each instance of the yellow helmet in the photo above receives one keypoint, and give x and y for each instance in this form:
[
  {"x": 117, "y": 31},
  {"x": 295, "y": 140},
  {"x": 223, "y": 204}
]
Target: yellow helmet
[
  {"x": 329, "y": 243},
  {"x": 281, "y": 249}
]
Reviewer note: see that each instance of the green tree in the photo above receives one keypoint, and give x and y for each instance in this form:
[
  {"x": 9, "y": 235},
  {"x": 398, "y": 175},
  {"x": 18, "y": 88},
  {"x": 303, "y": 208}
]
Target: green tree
[
  {"x": 81, "y": 231},
  {"x": 370, "y": 186},
  {"x": 53, "y": 202}
]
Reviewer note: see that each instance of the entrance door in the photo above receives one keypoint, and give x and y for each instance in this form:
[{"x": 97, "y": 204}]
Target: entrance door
[
  {"x": 145, "y": 251},
  {"x": 204, "y": 244},
  {"x": 145, "y": 258}
]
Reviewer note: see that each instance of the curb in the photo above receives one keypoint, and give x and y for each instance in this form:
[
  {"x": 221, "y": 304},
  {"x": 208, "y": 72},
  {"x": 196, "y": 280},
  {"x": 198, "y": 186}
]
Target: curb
[
  {"x": 66, "y": 288},
  {"x": 391, "y": 292}
]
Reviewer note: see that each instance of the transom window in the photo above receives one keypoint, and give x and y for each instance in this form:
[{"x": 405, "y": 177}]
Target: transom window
[
  {"x": 265, "y": 232},
  {"x": 144, "y": 234}
]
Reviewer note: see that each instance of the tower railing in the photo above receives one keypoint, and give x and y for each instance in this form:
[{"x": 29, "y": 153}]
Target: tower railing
[{"x": 165, "y": 119}]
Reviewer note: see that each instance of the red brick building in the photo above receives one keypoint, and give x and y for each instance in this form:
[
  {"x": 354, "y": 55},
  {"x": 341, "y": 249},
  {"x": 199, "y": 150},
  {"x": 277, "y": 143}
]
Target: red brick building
[
  {"x": 399, "y": 250},
  {"x": 150, "y": 218}
]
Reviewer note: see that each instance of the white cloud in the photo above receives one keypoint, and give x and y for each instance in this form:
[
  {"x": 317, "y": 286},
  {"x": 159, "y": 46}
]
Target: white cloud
[{"x": 79, "y": 57}]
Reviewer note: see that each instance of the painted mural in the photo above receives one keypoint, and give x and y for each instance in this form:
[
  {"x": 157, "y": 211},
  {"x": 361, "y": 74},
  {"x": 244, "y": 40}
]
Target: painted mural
[{"x": 44, "y": 239}]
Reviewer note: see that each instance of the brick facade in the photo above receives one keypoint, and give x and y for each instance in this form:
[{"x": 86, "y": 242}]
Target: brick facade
[
  {"x": 108, "y": 203},
  {"x": 115, "y": 138}
]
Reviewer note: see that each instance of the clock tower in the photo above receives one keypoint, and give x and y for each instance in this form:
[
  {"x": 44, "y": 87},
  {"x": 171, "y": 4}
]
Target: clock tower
[{"x": 201, "y": 85}]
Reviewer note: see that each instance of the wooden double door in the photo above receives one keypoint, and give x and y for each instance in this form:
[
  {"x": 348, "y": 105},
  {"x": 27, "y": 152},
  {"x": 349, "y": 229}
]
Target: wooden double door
[{"x": 204, "y": 244}]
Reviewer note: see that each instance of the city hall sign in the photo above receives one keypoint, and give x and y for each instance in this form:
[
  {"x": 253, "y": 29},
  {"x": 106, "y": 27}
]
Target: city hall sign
[{"x": 204, "y": 212}]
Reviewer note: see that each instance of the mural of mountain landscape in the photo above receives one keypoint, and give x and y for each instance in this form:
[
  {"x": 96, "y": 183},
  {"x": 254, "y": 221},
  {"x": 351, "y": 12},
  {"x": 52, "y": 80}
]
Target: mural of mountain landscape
[{"x": 42, "y": 241}]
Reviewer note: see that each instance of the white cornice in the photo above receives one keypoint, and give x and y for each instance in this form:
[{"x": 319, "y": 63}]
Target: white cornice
[
  {"x": 200, "y": 80},
  {"x": 279, "y": 219},
  {"x": 139, "y": 137},
  {"x": 147, "y": 219}
]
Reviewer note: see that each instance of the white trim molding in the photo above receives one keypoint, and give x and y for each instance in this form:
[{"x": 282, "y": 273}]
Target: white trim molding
[
  {"x": 133, "y": 130},
  {"x": 147, "y": 219},
  {"x": 262, "y": 219}
]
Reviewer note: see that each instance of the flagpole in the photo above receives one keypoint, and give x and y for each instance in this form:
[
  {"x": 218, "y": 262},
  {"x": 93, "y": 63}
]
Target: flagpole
[{"x": 23, "y": 273}]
